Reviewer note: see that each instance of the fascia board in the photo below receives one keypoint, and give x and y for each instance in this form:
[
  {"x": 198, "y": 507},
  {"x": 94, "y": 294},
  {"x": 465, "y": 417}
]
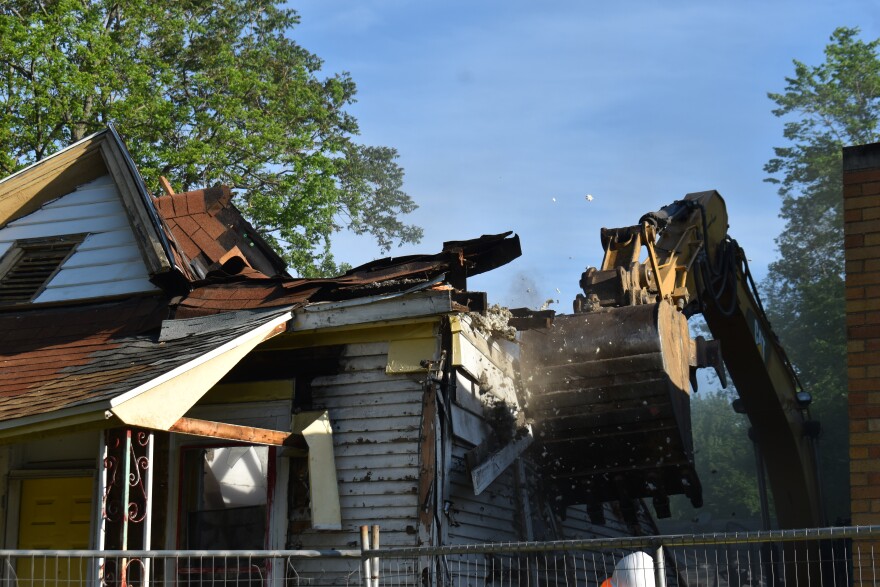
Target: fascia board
[
  {"x": 61, "y": 418},
  {"x": 143, "y": 193},
  {"x": 371, "y": 310}
]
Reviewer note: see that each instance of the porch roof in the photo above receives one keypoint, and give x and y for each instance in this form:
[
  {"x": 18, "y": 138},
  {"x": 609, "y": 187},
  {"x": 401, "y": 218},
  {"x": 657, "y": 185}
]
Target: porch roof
[{"x": 74, "y": 361}]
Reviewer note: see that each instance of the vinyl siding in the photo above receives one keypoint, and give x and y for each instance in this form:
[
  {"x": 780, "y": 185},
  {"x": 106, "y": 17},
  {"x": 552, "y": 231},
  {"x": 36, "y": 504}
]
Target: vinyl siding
[
  {"x": 108, "y": 262},
  {"x": 375, "y": 419}
]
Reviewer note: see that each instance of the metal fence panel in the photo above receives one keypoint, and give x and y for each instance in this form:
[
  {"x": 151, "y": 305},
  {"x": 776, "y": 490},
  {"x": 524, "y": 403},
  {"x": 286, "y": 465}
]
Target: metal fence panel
[
  {"x": 22, "y": 568},
  {"x": 829, "y": 557}
]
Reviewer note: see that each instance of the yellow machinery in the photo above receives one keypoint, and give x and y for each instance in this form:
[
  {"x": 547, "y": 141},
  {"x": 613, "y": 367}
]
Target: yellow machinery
[{"x": 609, "y": 384}]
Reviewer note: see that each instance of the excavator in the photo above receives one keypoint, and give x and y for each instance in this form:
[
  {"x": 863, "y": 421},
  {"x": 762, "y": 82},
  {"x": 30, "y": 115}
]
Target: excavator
[{"x": 608, "y": 386}]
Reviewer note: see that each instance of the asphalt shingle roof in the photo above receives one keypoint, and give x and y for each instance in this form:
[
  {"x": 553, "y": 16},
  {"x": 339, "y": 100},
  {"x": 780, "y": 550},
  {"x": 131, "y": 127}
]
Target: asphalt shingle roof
[{"x": 56, "y": 358}]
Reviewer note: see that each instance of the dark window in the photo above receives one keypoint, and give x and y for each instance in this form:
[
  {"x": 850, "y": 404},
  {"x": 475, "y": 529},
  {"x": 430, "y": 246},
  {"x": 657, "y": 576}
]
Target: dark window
[
  {"x": 29, "y": 265},
  {"x": 225, "y": 499}
]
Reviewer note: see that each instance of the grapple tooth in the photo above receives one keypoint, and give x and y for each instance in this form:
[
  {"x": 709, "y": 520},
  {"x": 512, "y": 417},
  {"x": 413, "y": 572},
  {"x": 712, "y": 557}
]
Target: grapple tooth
[{"x": 608, "y": 394}]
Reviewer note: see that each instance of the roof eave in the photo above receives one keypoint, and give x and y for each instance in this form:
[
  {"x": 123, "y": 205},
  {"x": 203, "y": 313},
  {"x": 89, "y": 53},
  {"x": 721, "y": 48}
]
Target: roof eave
[{"x": 156, "y": 404}]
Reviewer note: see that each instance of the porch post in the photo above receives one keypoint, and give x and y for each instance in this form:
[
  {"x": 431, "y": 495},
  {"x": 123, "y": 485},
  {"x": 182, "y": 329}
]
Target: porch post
[
  {"x": 127, "y": 503},
  {"x": 660, "y": 567},
  {"x": 365, "y": 558}
]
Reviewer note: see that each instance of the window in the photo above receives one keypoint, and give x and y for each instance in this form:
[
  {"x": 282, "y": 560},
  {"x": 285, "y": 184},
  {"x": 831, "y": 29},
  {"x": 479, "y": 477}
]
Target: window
[
  {"x": 225, "y": 500},
  {"x": 225, "y": 495},
  {"x": 29, "y": 265}
]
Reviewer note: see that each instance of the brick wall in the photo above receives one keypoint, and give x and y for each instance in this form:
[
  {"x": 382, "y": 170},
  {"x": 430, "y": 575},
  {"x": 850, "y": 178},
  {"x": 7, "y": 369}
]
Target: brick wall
[{"x": 861, "y": 204}]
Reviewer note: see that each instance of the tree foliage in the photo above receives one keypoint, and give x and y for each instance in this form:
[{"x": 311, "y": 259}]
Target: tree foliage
[
  {"x": 828, "y": 106},
  {"x": 725, "y": 463},
  {"x": 724, "y": 457},
  {"x": 204, "y": 91}
]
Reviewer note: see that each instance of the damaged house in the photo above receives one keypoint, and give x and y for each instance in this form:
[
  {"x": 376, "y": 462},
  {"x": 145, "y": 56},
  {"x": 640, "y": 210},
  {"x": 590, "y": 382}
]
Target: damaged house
[{"x": 157, "y": 359}]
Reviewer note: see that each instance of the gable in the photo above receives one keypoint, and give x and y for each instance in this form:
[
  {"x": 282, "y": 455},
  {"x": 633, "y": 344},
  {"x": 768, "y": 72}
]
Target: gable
[
  {"x": 107, "y": 260},
  {"x": 28, "y": 189},
  {"x": 89, "y": 191}
]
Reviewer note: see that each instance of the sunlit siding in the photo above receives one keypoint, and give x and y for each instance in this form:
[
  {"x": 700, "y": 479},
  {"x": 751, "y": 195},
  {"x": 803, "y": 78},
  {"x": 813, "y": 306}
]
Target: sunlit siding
[
  {"x": 108, "y": 262},
  {"x": 376, "y": 420}
]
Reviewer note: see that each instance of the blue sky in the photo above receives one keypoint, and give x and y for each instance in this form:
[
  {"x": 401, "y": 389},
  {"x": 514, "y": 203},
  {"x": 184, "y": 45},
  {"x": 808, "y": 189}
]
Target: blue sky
[{"x": 507, "y": 114}]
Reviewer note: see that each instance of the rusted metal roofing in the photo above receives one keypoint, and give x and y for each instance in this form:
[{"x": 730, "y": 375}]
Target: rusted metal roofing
[
  {"x": 52, "y": 359},
  {"x": 457, "y": 261}
]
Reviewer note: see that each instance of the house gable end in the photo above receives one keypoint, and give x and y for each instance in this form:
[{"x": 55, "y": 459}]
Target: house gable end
[{"x": 88, "y": 190}]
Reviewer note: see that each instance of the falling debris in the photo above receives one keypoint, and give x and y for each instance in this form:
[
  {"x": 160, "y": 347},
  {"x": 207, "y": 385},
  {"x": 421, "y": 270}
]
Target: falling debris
[
  {"x": 501, "y": 416},
  {"x": 494, "y": 322}
]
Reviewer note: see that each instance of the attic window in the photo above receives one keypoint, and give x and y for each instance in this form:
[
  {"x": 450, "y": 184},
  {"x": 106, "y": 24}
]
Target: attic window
[{"x": 29, "y": 265}]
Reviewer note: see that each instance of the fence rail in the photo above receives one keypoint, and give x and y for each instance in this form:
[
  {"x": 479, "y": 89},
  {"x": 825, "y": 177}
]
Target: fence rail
[{"x": 824, "y": 557}]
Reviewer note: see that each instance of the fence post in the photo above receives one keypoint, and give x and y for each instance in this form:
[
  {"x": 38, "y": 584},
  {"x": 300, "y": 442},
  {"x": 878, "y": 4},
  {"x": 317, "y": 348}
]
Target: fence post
[
  {"x": 660, "y": 567},
  {"x": 365, "y": 558},
  {"x": 374, "y": 561}
]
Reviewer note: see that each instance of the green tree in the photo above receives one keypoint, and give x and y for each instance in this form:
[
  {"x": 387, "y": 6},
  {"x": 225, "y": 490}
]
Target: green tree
[
  {"x": 724, "y": 456},
  {"x": 725, "y": 462},
  {"x": 828, "y": 106},
  {"x": 204, "y": 91}
]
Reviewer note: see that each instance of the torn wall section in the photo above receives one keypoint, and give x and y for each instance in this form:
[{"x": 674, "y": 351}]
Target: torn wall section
[{"x": 416, "y": 407}]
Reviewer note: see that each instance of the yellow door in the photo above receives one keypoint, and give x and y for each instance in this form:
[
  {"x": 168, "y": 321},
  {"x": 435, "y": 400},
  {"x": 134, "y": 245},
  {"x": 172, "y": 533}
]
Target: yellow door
[{"x": 55, "y": 514}]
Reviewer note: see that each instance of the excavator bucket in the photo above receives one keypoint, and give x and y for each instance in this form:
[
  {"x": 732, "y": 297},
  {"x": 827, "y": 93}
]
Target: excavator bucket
[{"x": 608, "y": 395}]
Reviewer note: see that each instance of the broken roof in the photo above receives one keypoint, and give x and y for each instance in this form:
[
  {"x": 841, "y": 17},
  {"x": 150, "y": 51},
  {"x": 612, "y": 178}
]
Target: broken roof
[
  {"x": 209, "y": 236},
  {"x": 457, "y": 261},
  {"x": 79, "y": 361}
]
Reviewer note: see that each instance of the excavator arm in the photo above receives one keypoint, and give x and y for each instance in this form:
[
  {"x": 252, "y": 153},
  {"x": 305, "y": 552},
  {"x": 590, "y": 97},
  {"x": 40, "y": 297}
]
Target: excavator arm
[
  {"x": 771, "y": 395},
  {"x": 675, "y": 263}
]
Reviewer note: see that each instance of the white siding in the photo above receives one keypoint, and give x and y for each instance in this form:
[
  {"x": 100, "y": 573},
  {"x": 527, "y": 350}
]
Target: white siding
[
  {"x": 375, "y": 420},
  {"x": 107, "y": 262}
]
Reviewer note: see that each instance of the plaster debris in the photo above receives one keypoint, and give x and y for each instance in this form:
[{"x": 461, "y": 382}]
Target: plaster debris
[
  {"x": 546, "y": 304},
  {"x": 501, "y": 416},
  {"x": 494, "y": 322}
]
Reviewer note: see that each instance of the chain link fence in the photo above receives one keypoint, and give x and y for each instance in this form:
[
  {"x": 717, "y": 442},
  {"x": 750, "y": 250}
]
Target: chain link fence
[{"x": 826, "y": 557}]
